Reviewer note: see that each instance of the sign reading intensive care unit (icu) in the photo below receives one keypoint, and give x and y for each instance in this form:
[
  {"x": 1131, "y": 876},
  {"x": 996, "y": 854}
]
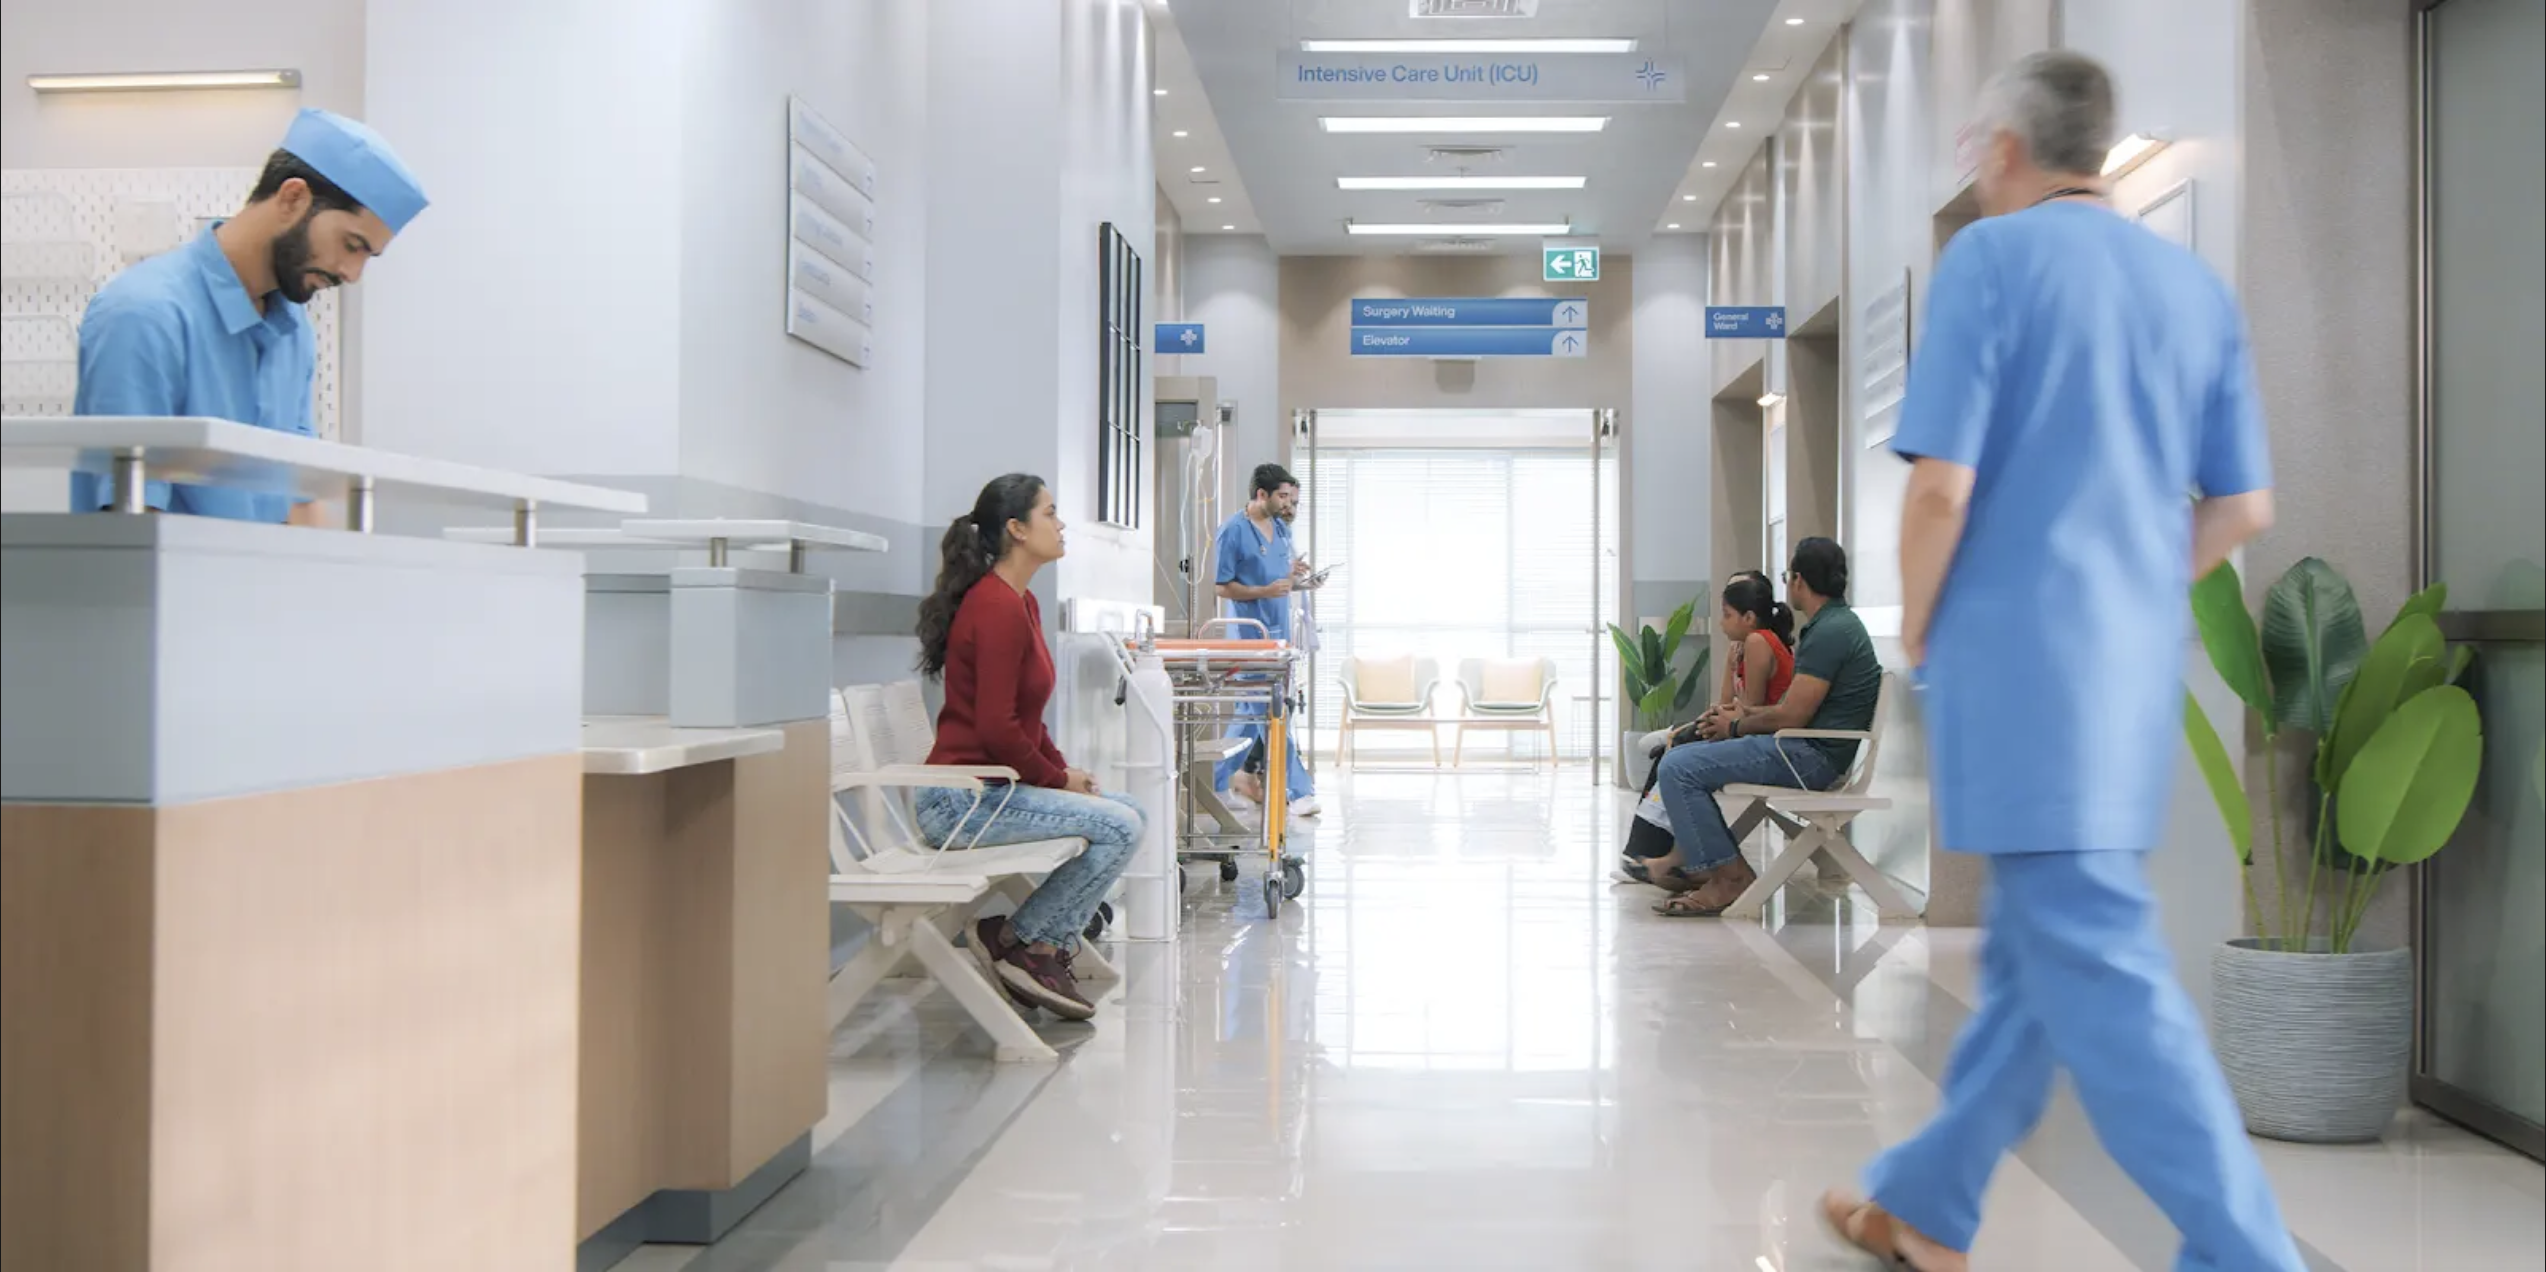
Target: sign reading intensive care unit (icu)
[
  {"x": 1472, "y": 327},
  {"x": 1621, "y": 78},
  {"x": 830, "y": 238}
]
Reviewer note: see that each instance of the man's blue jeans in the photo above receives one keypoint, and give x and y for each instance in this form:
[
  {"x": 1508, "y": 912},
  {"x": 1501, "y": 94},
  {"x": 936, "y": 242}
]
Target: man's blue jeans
[{"x": 1690, "y": 775}]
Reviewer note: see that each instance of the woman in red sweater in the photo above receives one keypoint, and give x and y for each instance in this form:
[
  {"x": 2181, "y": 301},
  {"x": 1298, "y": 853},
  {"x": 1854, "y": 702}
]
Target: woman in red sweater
[{"x": 982, "y": 633}]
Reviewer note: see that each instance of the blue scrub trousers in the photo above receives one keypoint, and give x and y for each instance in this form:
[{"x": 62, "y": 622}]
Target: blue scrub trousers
[
  {"x": 2074, "y": 974},
  {"x": 1301, "y": 784}
]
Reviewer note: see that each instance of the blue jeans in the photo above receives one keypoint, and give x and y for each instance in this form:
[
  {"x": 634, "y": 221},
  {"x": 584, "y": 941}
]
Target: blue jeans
[
  {"x": 1059, "y": 910},
  {"x": 1690, "y": 775},
  {"x": 2074, "y": 975}
]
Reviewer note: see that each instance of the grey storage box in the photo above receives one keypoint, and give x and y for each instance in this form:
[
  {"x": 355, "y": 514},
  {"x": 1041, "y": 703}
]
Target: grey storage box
[
  {"x": 627, "y": 644},
  {"x": 749, "y": 648}
]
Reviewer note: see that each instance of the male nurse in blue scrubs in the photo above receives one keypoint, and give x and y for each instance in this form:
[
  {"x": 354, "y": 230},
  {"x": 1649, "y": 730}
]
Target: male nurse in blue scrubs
[
  {"x": 1257, "y": 573},
  {"x": 2078, "y": 377},
  {"x": 216, "y": 328}
]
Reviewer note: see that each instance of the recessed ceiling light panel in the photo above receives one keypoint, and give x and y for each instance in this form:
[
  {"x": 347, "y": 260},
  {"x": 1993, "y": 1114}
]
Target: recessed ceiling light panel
[
  {"x": 1361, "y": 229},
  {"x": 1459, "y": 183},
  {"x": 1463, "y": 123},
  {"x": 1488, "y": 47}
]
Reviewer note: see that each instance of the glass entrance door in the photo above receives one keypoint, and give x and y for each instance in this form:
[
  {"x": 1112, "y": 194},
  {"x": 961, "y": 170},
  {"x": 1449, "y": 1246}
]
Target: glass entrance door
[{"x": 2480, "y": 904}]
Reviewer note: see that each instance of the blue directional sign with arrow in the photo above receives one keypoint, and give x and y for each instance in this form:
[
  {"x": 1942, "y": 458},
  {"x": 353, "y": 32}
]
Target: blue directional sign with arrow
[
  {"x": 1471, "y": 327},
  {"x": 1178, "y": 337},
  {"x": 1745, "y": 322}
]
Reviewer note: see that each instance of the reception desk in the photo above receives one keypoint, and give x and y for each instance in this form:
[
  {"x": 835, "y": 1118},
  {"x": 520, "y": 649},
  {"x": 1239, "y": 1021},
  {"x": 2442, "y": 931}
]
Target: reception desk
[
  {"x": 705, "y": 950},
  {"x": 291, "y": 873}
]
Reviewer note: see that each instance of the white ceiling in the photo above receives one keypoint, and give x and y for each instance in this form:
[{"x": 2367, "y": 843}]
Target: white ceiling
[{"x": 1275, "y": 171}]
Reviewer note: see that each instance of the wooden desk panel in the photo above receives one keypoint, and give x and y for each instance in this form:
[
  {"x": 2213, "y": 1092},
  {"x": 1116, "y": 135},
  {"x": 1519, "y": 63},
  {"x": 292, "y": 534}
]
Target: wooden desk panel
[
  {"x": 302, "y": 1032},
  {"x": 706, "y": 944}
]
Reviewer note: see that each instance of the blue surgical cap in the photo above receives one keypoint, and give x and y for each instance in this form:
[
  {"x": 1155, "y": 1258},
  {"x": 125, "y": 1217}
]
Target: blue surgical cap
[{"x": 359, "y": 162}]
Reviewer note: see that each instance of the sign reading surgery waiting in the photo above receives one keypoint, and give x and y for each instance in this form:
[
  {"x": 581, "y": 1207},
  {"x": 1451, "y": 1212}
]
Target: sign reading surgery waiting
[
  {"x": 1512, "y": 311},
  {"x": 1471, "y": 327},
  {"x": 1449, "y": 77}
]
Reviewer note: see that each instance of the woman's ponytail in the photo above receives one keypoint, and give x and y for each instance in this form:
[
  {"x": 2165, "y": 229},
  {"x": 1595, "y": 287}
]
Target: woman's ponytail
[{"x": 1781, "y": 622}]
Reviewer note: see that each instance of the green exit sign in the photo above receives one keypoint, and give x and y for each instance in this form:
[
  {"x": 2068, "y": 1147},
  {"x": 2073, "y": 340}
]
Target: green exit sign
[{"x": 1572, "y": 264}]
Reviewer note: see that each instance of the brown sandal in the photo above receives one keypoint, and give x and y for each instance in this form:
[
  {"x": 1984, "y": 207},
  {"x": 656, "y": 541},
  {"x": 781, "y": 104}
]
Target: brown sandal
[{"x": 1872, "y": 1229}]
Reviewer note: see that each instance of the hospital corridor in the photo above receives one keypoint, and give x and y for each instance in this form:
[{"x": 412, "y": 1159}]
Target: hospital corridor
[{"x": 1272, "y": 636}]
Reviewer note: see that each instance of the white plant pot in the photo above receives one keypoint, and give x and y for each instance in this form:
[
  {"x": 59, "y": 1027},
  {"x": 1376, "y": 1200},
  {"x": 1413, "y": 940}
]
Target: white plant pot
[
  {"x": 1634, "y": 763},
  {"x": 2316, "y": 1045}
]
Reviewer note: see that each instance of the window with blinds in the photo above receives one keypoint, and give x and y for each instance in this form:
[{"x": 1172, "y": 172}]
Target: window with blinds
[{"x": 1468, "y": 553}]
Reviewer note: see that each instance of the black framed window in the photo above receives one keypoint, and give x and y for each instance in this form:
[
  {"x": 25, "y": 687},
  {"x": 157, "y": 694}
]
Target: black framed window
[{"x": 1121, "y": 457}]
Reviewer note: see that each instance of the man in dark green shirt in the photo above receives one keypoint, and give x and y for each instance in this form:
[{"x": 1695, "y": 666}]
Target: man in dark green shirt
[{"x": 1837, "y": 681}]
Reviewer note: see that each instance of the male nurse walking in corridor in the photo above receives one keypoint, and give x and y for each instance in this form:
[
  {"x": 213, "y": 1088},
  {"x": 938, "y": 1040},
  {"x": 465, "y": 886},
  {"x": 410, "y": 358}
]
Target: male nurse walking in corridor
[
  {"x": 2078, "y": 378},
  {"x": 216, "y": 328}
]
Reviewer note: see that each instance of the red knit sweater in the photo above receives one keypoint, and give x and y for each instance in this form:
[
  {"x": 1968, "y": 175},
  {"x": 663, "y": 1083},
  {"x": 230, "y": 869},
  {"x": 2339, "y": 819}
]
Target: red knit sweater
[{"x": 998, "y": 679}]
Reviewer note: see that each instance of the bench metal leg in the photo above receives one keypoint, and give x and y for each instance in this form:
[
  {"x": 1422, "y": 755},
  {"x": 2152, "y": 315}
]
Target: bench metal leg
[
  {"x": 1889, "y": 902},
  {"x": 987, "y": 1003}
]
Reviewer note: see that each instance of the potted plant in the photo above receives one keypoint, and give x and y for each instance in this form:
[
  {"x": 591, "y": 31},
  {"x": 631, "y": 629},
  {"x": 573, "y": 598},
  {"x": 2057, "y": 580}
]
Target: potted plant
[
  {"x": 1655, "y": 691},
  {"x": 2315, "y": 1029}
]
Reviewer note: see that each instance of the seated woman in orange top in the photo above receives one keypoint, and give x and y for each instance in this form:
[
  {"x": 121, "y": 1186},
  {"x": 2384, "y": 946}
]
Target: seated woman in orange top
[{"x": 1761, "y": 629}]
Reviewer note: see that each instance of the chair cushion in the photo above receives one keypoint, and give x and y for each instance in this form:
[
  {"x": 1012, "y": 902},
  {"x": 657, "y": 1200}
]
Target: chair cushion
[
  {"x": 1385, "y": 682},
  {"x": 1509, "y": 683}
]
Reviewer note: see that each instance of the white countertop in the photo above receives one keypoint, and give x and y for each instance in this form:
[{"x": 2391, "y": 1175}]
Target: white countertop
[
  {"x": 242, "y": 456},
  {"x": 633, "y": 746},
  {"x": 579, "y": 537},
  {"x": 743, "y": 533}
]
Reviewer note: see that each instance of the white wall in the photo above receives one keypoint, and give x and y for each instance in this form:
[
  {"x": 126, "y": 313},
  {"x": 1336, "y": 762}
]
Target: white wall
[
  {"x": 1667, "y": 453},
  {"x": 531, "y": 319},
  {"x": 1107, "y": 175},
  {"x": 761, "y": 411},
  {"x": 1232, "y": 286},
  {"x": 322, "y": 39}
]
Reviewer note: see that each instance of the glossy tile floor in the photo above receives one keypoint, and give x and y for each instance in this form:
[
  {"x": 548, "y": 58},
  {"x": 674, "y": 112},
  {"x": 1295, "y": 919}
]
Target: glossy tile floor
[{"x": 1465, "y": 1049}]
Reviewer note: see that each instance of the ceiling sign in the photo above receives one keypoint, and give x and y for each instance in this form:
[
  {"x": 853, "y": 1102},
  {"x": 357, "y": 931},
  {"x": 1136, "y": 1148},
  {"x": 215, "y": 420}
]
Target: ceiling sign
[{"x": 1451, "y": 77}]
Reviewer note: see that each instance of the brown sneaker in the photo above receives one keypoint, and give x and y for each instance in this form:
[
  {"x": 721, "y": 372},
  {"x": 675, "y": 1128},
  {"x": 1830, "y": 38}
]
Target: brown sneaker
[
  {"x": 1047, "y": 980},
  {"x": 1724, "y": 885},
  {"x": 991, "y": 942}
]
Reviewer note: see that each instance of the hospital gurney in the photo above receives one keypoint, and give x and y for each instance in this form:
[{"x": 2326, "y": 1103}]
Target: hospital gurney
[{"x": 1222, "y": 681}]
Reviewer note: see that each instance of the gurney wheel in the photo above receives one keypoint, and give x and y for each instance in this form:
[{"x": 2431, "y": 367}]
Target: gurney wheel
[
  {"x": 1294, "y": 879},
  {"x": 1228, "y": 872},
  {"x": 1272, "y": 897}
]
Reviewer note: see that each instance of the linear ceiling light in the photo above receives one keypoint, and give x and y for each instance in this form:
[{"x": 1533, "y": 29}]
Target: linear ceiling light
[
  {"x": 2130, "y": 152},
  {"x": 1463, "y": 123},
  {"x": 1460, "y": 231},
  {"x": 152, "y": 81},
  {"x": 1459, "y": 183},
  {"x": 1469, "y": 46}
]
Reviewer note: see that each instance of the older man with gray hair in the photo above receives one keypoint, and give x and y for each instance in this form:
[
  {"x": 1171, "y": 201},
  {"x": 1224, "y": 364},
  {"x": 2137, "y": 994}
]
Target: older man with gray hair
[{"x": 2078, "y": 377}]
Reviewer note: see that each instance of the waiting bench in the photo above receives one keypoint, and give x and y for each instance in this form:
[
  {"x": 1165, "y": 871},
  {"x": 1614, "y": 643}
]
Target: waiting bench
[{"x": 917, "y": 897}]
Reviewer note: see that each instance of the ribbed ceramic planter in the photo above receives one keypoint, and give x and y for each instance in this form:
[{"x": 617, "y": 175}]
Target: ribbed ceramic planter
[
  {"x": 2316, "y": 1045},
  {"x": 1635, "y": 763}
]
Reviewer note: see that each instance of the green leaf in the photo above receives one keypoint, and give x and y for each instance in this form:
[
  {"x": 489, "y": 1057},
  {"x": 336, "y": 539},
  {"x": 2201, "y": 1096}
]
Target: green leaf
[
  {"x": 2221, "y": 773},
  {"x": 1689, "y": 688},
  {"x": 2459, "y": 659},
  {"x": 1681, "y": 619},
  {"x": 2428, "y": 602},
  {"x": 2410, "y": 786},
  {"x": 1630, "y": 655},
  {"x": 1657, "y": 664},
  {"x": 2227, "y": 631},
  {"x": 1654, "y": 704},
  {"x": 2406, "y": 660},
  {"x": 2313, "y": 641}
]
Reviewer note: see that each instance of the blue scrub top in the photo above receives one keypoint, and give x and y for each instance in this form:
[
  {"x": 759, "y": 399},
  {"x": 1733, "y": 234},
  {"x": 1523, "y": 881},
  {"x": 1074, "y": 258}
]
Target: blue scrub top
[
  {"x": 178, "y": 335},
  {"x": 1249, "y": 556},
  {"x": 2094, "y": 376}
]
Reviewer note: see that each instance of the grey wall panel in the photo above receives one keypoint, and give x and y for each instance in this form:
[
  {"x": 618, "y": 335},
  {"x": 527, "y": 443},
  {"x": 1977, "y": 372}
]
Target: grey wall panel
[{"x": 172, "y": 659}]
